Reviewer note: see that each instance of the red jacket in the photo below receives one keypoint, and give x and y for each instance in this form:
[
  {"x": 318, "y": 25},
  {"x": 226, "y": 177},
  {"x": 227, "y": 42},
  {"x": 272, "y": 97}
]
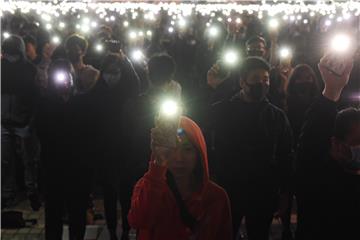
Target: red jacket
[{"x": 154, "y": 211}]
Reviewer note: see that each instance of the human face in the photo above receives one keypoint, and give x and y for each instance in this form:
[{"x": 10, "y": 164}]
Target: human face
[
  {"x": 31, "y": 51},
  {"x": 184, "y": 159},
  {"x": 256, "y": 49},
  {"x": 342, "y": 150},
  {"x": 256, "y": 85}
]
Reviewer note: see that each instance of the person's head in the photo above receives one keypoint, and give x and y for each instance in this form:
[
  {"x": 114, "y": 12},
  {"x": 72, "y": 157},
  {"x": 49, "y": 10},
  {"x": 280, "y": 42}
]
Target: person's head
[
  {"x": 31, "y": 46},
  {"x": 345, "y": 144},
  {"x": 256, "y": 46},
  {"x": 161, "y": 69},
  {"x": 111, "y": 69},
  {"x": 61, "y": 76},
  {"x": 13, "y": 48},
  {"x": 303, "y": 82},
  {"x": 254, "y": 79},
  {"x": 189, "y": 159},
  {"x": 76, "y": 47}
]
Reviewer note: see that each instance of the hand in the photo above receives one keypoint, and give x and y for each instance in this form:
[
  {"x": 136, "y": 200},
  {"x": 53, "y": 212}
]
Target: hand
[
  {"x": 213, "y": 76},
  {"x": 283, "y": 206},
  {"x": 334, "y": 84},
  {"x": 161, "y": 154}
]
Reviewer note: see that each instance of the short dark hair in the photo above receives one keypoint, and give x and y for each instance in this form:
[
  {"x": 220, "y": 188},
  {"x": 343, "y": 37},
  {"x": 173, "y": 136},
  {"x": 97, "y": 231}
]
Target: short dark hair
[
  {"x": 255, "y": 39},
  {"x": 14, "y": 45},
  {"x": 161, "y": 69},
  {"x": 344, "y": 122},
  {"x": 253, "y": 63},
  {"x": 76, "y": 39}
]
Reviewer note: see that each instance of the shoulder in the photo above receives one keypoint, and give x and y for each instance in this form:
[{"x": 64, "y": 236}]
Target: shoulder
[{"x": 217, "y": 194}]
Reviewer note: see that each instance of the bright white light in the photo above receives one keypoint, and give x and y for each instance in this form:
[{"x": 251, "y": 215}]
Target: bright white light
[
  {"x": 285, "y": 53},
  {"x": 230, "y": 57},
  {"x": 99, "y": 47},
  {"x": 299, "y": 17},
  {"x": 208, "y": 24},
  {"x": 60, "y": 77},
  {"x": 347, "y": 16},
  {"x": 132, "y": 35},
  {"x": 46, "y": 17},
  {"x": 285, "y": 17},
  {"x": 126, "y": 23},
  {"x": 94, "y": 24},
  {"x": 340, "y": 43},
  {"x": 62, "y": 25},
  {"x": 141, "y": 33},
  {"x": 149, "y": 33},
  {"x": 171, "y": 29},
  {"x": 182, "y": 23},
  {"x": 112, "y": 18},
  {"x": 306, "y": 21},
  {"x": 6, "y": 35},
  {"x": 78, "y": 26},
  {"x": 85, "y": 28},
  {"x": 169, "y": 108},
  {"x": 137, "y": 55},
  {"x": 86, "y": 20},
  {"x": 339, "y": 19},
  {"x": 238, "y": 20},
  {"x": 219, "y": 19},
  {"x": 273, "y": 23},
  {"x": 292, "y": 18},
  {"x": 48, "y": 26},
  {"x": 56, "y": 40},
  {"x": 213, "y": 31},
  {"x": 327, "y": 22},
  {"x": 229, "y": 20}
]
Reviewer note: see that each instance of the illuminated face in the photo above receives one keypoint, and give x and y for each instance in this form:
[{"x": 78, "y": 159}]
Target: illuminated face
[
  {"x": 31, "y": 51},
  {"x": 184, "y": 158},
  {"x": 256, "y": 49}
]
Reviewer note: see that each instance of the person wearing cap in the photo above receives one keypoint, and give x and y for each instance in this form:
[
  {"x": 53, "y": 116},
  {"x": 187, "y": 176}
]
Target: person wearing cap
[
  {"x": 251, "y": 143},
  {"x": 176, "y": 198},
  {"x": 19, "y": 98}
]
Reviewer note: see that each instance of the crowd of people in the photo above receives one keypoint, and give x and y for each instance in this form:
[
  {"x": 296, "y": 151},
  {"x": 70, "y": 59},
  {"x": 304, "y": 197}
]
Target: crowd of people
[{"x": 268, "y": 130}]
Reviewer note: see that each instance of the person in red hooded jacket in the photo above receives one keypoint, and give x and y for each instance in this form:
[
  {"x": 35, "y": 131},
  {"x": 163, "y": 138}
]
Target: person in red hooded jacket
[{"x": 175, "y": 199}]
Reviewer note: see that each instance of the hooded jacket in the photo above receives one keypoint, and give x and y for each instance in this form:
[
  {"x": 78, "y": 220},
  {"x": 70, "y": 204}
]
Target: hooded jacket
[{"x": 154, "y": 211}]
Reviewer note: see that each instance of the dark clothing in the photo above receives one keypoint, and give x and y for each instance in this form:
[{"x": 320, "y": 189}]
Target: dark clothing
[
  {"x": 18, "y": 103},
  {"x": 112, "y": 168},
  {"x": 252, "y": 146},
  {"x": 64, "y": 129},
  {"x": 18, "y": 93},
  {"x": 328, "y": 197}
]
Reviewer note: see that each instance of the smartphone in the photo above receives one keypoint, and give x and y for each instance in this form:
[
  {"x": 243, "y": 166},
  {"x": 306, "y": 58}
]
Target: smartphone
[{"x": 169, "y": 128}]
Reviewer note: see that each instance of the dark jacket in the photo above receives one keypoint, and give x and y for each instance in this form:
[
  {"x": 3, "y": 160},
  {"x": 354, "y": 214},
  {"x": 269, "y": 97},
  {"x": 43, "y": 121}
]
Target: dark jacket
[
  {"x": 328, "y": 197},
  {"x": 252, "y": 145},
  {"x": 18, "y": 93}
]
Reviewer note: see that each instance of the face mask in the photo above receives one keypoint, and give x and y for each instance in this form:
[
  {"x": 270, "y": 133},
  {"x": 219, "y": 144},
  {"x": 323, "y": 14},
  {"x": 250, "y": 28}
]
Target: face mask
[
  {"x": 112, "y": 79},
  {"x": 258, "y": 91}
]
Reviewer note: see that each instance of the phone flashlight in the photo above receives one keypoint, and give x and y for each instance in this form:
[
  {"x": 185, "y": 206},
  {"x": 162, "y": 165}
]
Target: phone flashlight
[
  {"x": 285, "y": 53},
  {"x": 169, "y": 108},
  {"x": 340, "y": 43},
  {"x": 137, "y": 55},
  {"x": 230, "y": 57},
  {"x": 213, "y": 32},
  {"x": 273, "y": 24},
  {"x": 99, "y": 47}
]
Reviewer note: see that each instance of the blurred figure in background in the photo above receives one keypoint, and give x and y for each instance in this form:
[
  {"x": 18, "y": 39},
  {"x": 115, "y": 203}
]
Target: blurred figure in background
[{"x": 19, "y": 97}]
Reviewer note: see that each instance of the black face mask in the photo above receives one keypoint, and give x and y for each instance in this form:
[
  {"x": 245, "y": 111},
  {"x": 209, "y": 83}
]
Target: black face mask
[{"x": 258, "y": 91}]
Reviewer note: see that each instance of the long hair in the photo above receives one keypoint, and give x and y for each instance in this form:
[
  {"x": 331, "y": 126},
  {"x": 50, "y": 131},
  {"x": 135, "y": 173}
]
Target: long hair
[{"x": 300, "y": 68}]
